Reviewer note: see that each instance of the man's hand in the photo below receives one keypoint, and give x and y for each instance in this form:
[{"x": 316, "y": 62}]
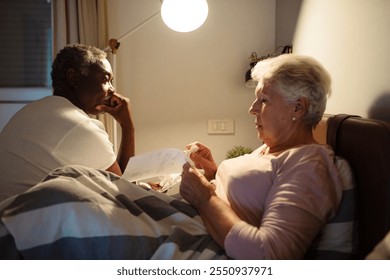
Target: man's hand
[{"x": 119, "y": 107}]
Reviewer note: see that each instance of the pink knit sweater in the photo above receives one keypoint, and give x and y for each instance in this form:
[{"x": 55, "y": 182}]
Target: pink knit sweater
[{"x": 283, "y": 200}]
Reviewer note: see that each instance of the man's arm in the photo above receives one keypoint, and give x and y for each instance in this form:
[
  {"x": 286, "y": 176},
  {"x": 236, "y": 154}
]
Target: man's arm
[
  {"x": 127, "y": 146},
  {"x": 120, "y": 109}
]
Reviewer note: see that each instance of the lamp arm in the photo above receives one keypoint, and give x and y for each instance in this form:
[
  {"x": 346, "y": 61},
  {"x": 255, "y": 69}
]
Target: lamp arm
[{"x": 114, "y": 43}]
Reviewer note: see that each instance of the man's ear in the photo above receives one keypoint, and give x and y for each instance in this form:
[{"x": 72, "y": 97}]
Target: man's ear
[{"x": 72, "y": 77}]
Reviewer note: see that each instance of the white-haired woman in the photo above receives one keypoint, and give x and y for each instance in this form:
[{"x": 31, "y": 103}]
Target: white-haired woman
[{"x": 272, "y": 203}]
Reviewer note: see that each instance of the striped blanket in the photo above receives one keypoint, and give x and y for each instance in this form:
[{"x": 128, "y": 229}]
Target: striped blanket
[{"x": 82, "y": 213}]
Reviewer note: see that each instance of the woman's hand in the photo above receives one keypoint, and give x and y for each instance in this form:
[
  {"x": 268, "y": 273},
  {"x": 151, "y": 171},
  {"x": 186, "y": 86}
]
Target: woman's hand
[
  {"x": 203, "y": 159},
  {"x": 194, "y": 187},
  {"x": 216, "y": 214}
]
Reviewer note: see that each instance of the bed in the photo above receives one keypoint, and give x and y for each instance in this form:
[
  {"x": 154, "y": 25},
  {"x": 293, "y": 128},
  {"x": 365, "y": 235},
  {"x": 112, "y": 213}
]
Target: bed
[{"x": 82, "y": 213}]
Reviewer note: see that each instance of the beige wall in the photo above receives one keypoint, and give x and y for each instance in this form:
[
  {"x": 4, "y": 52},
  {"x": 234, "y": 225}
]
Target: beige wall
[
  {"x": 351, "y": 38},
  {"x": 177, "y": 81},
  {"x": 287, "y": 16}
]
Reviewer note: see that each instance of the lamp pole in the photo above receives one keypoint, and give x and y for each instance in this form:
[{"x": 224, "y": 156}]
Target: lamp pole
[{"x": 113, "y": 44}]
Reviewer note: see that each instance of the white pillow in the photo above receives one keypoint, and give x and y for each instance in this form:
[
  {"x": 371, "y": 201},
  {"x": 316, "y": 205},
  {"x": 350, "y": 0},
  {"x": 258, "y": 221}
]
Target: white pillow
[{"x": 338, "y": 238}]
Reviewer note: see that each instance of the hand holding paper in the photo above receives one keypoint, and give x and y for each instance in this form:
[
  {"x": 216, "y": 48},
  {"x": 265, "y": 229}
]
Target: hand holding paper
[
  {"x": 203, "y": 159},
  {"x": 167, "y": 164}
]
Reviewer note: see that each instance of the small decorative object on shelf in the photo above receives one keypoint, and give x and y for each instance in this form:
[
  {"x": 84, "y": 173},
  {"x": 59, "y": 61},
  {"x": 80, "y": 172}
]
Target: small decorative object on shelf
[{"x": 249, "y": 82}]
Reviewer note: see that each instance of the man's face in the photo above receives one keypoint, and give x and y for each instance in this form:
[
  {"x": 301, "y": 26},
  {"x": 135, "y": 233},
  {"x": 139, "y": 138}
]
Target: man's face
[{"x": 93, "y": 89}]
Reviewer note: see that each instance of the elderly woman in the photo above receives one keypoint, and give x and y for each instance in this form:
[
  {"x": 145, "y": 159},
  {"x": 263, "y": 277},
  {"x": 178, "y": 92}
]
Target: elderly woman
[{"x": 272, "y": 203}]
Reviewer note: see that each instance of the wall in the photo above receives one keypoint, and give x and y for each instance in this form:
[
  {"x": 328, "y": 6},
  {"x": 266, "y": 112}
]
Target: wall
[
  {"x": 287, "y": 16},
  {"x": 177, "y": 81},
  {"x": 351, "y": 38},
  {"x": 14, "y": 99}
]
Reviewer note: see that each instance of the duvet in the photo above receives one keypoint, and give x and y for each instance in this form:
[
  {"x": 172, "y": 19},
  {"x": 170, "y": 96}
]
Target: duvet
[{"x": 82, "y": 213}]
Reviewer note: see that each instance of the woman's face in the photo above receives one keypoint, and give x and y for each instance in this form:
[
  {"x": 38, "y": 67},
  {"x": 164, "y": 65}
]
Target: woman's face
[
  {"x": 94, "y": 89},
  {"x": 273, "y": 116}
]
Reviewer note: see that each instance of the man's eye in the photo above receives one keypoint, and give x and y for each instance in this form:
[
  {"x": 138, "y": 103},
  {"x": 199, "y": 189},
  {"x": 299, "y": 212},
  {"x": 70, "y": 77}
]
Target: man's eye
[{"x": 106, "y": 79}]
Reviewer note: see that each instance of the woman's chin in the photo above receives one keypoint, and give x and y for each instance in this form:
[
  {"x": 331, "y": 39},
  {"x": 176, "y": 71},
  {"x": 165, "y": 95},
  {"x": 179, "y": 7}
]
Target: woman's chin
[{"x": 260, "y": 135}]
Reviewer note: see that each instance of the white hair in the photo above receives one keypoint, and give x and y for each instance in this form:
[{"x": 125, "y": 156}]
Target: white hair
[{"x": 297, "y": 76}]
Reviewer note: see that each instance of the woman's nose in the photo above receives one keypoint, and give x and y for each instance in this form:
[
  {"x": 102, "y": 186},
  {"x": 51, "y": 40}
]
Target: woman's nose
[{"x": 253, "y": 109}]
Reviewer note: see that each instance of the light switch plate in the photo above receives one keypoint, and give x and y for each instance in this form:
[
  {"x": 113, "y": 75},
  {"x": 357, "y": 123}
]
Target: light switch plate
[{"x": 220, "y": 126}]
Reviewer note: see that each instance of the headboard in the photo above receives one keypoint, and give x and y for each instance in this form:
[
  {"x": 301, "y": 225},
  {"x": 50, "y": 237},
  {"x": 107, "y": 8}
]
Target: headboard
[{"x": 365, "y": 144}]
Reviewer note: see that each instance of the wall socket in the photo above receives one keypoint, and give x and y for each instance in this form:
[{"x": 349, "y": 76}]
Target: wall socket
[{"x": 220, "y": 126}]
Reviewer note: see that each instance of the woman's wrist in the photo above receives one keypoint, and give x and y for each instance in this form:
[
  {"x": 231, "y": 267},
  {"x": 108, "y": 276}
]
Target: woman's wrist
[
  {"x": 210, "y": 173},
  {"x": 205, "y": 206}
]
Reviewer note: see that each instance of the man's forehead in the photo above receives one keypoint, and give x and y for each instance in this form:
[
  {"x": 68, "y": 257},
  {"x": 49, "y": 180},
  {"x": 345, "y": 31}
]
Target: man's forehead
[{"x": 104, "y": 67}]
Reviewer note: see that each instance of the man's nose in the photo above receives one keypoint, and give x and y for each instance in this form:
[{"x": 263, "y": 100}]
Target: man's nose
[{"x": 112, "y": 88}]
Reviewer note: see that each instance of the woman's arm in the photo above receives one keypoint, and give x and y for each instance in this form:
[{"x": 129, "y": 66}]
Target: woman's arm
[
  {"x": 297, "y": 206},
  {"x": 217, "y": 216},
  {"x": 285, "y": 231}
]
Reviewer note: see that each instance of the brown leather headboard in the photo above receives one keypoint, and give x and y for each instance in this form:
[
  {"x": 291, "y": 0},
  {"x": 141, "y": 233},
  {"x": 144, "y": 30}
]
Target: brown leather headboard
[{"x": 365, "y": 144}]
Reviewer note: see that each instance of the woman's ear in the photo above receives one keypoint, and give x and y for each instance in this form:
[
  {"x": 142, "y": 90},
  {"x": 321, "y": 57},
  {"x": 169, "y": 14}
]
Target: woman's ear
[
  {"x": 301, "y": 107},
  {"x": 72, "y": 77}
]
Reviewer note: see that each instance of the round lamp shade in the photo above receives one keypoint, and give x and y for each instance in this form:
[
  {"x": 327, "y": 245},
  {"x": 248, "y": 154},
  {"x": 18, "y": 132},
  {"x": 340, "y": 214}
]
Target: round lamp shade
[{"x": 184, "y": 15}]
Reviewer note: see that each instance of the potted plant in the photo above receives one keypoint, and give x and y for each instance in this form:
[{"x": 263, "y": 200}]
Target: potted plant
[{"x": 237, "y": 151}]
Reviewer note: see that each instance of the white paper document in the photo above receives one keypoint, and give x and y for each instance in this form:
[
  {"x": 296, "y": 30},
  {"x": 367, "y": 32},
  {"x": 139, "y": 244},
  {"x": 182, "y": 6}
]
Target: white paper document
[{"x": 154, "y": 164}]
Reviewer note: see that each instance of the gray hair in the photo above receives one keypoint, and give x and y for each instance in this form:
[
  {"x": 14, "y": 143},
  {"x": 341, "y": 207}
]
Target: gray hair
[
  {"x": 297, "y": 76},
  {"x": 79, "y": 57}
]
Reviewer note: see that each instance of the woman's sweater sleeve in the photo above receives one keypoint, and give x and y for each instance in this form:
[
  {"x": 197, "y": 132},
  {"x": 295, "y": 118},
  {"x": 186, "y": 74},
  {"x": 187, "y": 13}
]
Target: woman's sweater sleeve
[{"x": 303, "y": 197}]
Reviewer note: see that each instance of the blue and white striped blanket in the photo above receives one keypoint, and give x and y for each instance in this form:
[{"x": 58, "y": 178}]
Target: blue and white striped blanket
[{"x": 82, "y": 213}]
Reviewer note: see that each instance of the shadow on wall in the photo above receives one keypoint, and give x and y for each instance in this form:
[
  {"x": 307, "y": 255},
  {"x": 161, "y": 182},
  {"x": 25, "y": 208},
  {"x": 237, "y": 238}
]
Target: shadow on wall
[{"x": 380, "y": 109}]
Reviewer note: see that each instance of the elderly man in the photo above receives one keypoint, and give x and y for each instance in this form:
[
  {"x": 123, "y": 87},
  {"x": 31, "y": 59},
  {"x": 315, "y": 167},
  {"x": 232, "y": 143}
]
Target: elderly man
[{"x": 58, "y": 130}]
